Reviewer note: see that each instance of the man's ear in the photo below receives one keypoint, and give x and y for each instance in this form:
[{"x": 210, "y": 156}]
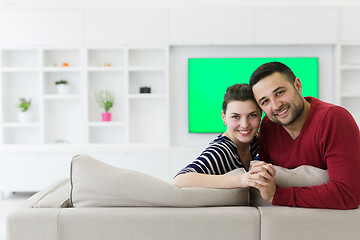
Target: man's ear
[
  {"x": 223, "y": 117},
  {"x": 298, "y": 85}
]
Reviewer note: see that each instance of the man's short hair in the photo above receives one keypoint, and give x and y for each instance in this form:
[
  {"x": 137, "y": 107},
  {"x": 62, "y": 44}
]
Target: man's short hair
[{"x": 269, "y": 68}]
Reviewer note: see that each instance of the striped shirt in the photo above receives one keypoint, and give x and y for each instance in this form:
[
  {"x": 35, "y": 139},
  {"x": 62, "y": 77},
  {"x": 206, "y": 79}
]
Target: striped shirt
[{"x": 220, "y": 157}]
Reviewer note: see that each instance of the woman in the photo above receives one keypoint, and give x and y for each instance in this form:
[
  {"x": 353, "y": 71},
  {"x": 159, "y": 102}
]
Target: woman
[{"x": 235, "y": 148}]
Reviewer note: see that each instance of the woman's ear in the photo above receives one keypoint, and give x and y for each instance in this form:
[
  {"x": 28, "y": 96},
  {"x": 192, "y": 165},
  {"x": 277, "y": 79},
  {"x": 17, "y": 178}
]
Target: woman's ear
[{"x": 223, "y": 117}]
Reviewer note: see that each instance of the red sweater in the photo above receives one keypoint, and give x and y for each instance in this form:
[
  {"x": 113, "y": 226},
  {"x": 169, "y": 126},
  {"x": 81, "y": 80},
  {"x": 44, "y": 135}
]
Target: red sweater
[{"x": 329, "y": 139}]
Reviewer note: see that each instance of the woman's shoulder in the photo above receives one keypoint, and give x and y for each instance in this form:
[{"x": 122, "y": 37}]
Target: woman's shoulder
[{"x": 222, "y": 142}]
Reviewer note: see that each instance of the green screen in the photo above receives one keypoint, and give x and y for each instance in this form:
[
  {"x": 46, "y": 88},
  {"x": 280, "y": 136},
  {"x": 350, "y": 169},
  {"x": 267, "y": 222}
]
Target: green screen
[{"x": 210, "y": 77}]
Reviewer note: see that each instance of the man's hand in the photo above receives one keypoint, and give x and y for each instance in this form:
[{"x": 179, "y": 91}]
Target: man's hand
[{"x": 262, "y": 177}]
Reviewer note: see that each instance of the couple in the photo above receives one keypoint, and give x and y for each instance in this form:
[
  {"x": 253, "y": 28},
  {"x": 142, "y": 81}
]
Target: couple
[{"x": 295, "y": 131}]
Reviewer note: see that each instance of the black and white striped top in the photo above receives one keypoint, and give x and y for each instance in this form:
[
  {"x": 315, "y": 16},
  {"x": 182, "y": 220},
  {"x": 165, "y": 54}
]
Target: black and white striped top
[{"x": 220, "y": 157}]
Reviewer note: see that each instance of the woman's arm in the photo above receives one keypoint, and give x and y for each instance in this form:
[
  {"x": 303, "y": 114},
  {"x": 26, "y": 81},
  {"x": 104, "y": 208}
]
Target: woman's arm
[{"x": 211, "y": 181}]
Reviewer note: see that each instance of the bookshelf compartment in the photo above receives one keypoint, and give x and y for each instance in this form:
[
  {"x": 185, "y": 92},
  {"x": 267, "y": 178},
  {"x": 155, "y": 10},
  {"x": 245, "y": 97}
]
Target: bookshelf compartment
[
  {"x": 73, "y": 79},
  {"x": 61, "y": 58},
  {"x": 19, "y": 58},
  {"x": 103, "y": 58},
  {"x": 63, "y": 122},
  {"x": 21, "y": 135},
  {"x": 20, "y": 85},
  {"x": 147, "y": 58},
  {"x": 107, "y": 135}
]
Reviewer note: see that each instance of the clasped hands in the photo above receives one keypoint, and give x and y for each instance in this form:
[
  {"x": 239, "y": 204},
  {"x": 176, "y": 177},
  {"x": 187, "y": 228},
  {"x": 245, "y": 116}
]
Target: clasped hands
[{"x": 261, "y": 176}]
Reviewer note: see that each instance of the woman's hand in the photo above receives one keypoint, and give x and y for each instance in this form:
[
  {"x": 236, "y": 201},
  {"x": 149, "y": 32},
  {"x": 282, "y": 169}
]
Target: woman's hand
[{"x": 260, "y": 166}]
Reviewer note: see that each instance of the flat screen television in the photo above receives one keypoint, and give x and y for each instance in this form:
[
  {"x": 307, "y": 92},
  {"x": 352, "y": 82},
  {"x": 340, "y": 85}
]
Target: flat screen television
[{"x": 208, "y": 79}]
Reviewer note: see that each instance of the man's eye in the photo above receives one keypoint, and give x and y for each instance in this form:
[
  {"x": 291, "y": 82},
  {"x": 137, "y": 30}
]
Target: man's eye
[
  {"x": 264, "y": 102},
  {"x": 279, "y": 93}
]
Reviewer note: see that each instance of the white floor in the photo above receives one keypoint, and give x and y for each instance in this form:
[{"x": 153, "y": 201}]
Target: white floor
[{"x": 9, "y": 202}]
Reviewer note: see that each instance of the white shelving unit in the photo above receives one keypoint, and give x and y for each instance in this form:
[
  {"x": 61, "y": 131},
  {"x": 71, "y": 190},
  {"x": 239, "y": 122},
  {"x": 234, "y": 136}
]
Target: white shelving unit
[
  {"x": 350, "y": 77},
  {"x": 75, "y": 118}
]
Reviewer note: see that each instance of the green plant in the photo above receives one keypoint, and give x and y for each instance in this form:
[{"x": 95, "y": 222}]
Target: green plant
[
  {"x": 24, "y": 104},
  {"x": 105, "y": 99},
  {"x": 61, "y": 82}
]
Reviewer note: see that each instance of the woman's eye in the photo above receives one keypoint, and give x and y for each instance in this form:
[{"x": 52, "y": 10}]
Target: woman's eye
[
  {"x": 235, "y": 117},
  {"x": 253, "y": 115}
]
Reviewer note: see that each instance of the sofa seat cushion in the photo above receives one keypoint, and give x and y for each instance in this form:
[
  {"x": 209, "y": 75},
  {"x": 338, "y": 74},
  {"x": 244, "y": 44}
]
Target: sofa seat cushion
[
  {"x": 156, "y": 223},
  {"x": 283, "y": 223},
  {"x": 97, "y": 184}
]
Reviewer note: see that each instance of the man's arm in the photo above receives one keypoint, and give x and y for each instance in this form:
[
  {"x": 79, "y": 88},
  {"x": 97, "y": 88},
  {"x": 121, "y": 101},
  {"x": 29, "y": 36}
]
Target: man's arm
[{"x": 340, "y": 148}]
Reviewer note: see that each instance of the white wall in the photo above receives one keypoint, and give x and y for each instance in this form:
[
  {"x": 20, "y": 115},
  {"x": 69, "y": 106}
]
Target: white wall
[
  {"x": 172, "y": 3},
  {"x": 244, "y": 36}
]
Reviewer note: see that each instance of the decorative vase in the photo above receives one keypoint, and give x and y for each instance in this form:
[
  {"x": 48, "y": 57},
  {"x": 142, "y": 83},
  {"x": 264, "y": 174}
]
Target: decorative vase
[
  {"x": 62, "y": 89},
  {"x": 106, "y": 117},
  {"x": 24, "y": 117}
]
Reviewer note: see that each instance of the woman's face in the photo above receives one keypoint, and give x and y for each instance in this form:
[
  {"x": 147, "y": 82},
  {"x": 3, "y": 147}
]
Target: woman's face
[{"x": 242, "y": 119}]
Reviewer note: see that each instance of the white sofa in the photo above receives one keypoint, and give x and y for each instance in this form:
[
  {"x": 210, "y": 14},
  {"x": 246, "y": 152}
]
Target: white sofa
[{"x": 48, "y": 215}]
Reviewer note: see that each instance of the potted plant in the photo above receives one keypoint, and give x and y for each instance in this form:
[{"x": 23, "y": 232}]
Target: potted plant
[
  {"x": 24, "y": 105},
  {"x": 62, "y": 87},
  {"x": 105, "y": 99}
]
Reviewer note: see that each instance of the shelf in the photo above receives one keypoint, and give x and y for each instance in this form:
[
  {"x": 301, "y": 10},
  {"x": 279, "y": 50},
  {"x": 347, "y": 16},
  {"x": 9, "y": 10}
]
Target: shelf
[
  {"x": 61, "y": 69},
  {"x": 350, "y": 67},
  {"x": 146, "y": 96},
  {"x": 350, "y": 95},
  {"x": 106, "y": 124},
  {"x": 105, "y": 69},
  {"x": 19, "y": 69},
  {"x": 21, "y": 125},
  {"x": 61, "y": 97},
  {"x": 75, "y": 118},
  {"x": 150, "y": 68}
]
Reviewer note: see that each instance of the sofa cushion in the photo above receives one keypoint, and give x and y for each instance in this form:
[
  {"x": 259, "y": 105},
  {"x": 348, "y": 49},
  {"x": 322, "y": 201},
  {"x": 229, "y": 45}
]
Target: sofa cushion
[
  {"x": 302, "y": 176},
  {"x": 97, "y": 184}
]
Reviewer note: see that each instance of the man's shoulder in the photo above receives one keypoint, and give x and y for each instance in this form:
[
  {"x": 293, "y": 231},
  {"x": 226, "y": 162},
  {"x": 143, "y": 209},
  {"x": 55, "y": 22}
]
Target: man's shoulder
[{"x": 325, "y": 108}]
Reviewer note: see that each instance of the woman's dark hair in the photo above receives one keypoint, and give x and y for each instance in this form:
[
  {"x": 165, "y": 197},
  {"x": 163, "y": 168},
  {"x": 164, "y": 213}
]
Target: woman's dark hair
[
  {"x": 238, "y": 92},
  {"x": 269, "y": 68}
]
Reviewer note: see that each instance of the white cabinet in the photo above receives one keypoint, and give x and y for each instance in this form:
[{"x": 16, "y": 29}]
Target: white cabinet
[
  {"x": 210, "y": 26},
  {"x": 295, "y": 26},
  {"x": 350, "y": 78},
  {"x": 39, "y": 151},
  {"x": 126, "y": 26},
  {"x": 33, "y": 27},
  {"x": 349, "y": 20},
  {"x": 75, "y": 118},
  {"x": 20, "y": 78}
]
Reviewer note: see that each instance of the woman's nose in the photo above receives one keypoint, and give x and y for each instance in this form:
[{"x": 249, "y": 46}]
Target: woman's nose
[{"x": 244, "y": 122}]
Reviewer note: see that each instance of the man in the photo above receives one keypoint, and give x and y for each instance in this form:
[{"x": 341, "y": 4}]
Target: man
[{"x": 306, "y": 131}]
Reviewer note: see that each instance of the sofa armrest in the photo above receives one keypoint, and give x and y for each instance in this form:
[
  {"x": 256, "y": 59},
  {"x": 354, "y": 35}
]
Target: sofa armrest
[{"x": 54, "y": 196}]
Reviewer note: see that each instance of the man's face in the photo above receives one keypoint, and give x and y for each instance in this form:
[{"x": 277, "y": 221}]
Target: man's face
[{"x": 279, "y": 99}]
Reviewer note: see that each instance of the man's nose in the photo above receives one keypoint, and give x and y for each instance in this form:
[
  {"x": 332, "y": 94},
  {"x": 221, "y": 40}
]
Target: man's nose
[{"x": 276, "y": 104}]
